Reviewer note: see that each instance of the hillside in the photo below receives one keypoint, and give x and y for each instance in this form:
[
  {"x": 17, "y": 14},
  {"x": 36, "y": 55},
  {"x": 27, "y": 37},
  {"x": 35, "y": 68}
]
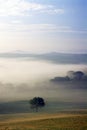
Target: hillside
[
  {"x": 62, "y": 58},
  {"x": 58, "y": 121}
]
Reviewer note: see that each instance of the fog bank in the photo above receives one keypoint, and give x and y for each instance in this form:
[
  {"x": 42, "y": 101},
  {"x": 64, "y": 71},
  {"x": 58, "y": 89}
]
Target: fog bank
[{"x": 21, "y": 79}]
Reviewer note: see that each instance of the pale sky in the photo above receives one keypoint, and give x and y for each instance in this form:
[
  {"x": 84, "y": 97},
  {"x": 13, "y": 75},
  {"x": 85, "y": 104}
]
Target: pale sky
[{"x": 43, "y": 25}]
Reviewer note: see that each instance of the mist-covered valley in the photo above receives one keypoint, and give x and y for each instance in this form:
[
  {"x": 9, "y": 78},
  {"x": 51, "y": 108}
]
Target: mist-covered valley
[{"x": 26, "y": 77}]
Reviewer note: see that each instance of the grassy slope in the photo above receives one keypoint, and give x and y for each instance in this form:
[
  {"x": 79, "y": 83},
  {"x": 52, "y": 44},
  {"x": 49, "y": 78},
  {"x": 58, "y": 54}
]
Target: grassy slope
[{"x": 35, "y": 121}]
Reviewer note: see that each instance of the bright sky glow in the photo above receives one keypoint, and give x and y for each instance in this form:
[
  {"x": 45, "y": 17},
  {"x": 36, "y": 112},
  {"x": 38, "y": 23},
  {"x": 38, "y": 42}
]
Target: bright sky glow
[{"x": 43, "y": 26}]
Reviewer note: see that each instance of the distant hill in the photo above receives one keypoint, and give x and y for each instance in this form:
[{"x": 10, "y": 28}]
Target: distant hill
[{"x": 60, "y": 58}]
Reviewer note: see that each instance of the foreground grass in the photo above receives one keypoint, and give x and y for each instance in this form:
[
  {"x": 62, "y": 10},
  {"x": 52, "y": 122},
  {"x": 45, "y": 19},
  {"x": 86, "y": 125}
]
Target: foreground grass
[{"x": 78, "y": 122}]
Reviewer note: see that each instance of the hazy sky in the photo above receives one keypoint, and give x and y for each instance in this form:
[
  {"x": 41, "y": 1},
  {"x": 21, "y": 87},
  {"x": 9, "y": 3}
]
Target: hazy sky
[{"x": 43, "y": 25}]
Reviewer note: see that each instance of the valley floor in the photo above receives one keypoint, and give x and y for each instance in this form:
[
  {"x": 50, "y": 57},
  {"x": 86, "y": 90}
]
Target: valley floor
[{"x": 73, "y": 120}]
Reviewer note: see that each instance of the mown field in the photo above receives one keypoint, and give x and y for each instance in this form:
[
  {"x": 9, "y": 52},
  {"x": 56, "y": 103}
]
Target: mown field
[{"x": 35, "y": 121}]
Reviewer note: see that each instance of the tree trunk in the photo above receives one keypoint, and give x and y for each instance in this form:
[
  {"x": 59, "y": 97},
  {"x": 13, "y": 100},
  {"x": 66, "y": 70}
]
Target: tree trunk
[{"x": 36, "y": 109}]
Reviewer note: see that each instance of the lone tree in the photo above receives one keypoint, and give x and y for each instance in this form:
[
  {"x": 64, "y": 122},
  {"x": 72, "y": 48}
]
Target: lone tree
[{"x": 37, "y": 102}]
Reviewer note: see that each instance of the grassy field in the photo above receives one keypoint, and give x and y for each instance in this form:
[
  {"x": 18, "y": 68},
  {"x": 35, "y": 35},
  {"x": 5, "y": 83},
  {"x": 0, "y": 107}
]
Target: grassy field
[{"x": 38, "y": 121}]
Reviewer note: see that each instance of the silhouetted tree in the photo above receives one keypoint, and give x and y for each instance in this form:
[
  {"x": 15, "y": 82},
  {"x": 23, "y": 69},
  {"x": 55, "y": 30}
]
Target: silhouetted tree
[
  {"x": 36, "y": 103},
  {"x": 79, "y": 75}
]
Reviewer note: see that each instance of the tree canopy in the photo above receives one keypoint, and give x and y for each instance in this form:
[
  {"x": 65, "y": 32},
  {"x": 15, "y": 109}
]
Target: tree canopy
[{"x": 37, "y": 102}]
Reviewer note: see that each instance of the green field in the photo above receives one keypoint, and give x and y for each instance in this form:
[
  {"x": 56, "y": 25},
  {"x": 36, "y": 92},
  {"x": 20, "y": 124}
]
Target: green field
[{"x": 38, "y": 121}]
